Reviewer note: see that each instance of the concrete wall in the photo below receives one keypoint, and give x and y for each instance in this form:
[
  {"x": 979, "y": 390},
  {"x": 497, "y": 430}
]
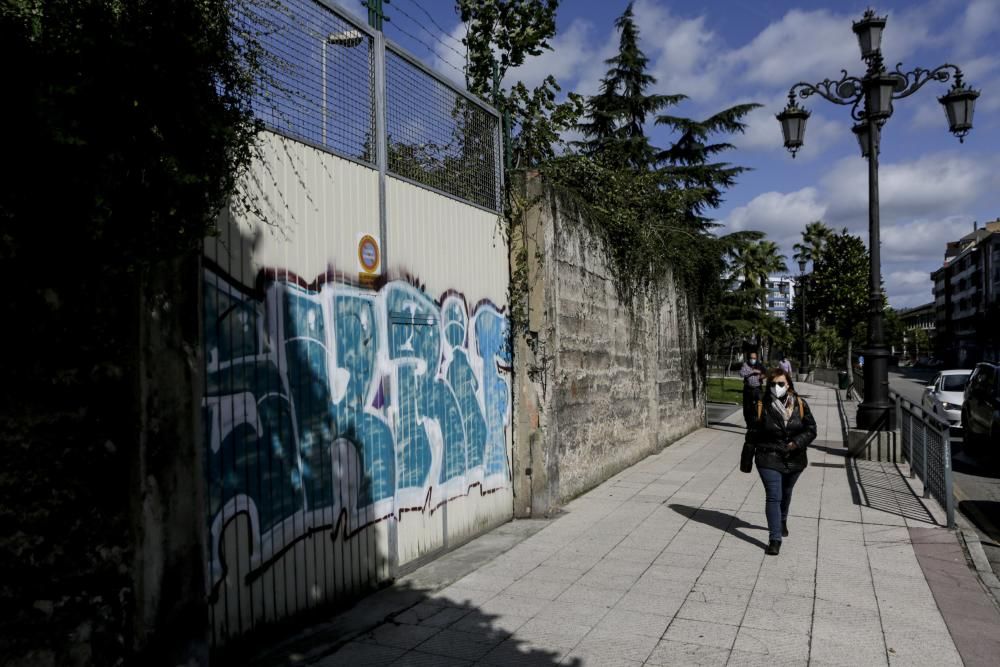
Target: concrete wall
[
  {"x": 351, "y": 430},
  {"x": 597, "y": 388}
]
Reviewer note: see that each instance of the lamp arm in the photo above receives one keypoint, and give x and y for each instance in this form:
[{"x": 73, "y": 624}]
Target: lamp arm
[
  {"x": 911, "y": 82},
  {"x": 844, "y": 91}
]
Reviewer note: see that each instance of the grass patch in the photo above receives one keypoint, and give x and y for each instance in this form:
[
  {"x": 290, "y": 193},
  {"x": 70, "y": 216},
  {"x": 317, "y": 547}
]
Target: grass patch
[{"x": 725, "y": 390}]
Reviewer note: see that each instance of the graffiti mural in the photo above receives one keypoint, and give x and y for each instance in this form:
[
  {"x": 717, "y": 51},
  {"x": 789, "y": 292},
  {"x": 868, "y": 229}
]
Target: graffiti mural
[{"x": 332, "y": 404}]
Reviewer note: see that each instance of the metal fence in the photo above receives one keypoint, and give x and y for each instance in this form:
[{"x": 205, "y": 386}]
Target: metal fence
[
  {"x": 332, "y": 82},
  {"x": 926, "y": 445}
]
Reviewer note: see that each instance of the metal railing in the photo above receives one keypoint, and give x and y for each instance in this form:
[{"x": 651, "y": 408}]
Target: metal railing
[
  {"x": 332, "y": 82},
  {"x": 926, "y": 444}
]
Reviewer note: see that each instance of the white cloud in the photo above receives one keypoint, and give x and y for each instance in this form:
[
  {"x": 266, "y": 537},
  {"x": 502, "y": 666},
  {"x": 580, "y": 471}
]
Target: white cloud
[
  {"x": 572, "y": 48},
  {"x": 934, "y": 185},
  {"x": 980, "y": 20},
  {"x": 908, "y": 287},
  {"x": 922, "y": 240},
  {"x": 778, "y": 214},
  {"x": 763, "y": 131}
]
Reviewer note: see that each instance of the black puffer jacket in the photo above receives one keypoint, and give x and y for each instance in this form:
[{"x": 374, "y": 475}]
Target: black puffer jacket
[{"x": 769, "y": 436}]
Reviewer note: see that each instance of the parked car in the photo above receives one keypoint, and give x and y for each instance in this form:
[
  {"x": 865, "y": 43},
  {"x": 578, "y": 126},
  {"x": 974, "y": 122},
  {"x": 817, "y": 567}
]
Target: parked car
[
  {"x": 981, "y": 409},
  {"x": 945, "y": 394}
]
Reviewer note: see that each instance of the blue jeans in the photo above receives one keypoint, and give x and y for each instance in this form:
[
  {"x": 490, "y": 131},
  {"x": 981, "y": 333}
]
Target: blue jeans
[{"x": 778, "y": 489}]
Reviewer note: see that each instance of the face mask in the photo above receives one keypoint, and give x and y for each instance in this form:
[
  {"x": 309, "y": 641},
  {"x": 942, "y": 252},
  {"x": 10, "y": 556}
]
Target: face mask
[
  {"x": 780, "y": 390},
  {"x": 753, "y": 362}
]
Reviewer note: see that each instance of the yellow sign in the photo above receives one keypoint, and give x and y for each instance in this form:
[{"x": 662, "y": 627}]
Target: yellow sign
[{"x": 369, "y": 256}]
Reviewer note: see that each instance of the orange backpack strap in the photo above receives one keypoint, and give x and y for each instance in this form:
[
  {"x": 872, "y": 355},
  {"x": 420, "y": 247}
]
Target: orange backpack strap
[
  {"x": 802, "y": 408},
  {"x": 760, "y": 409}
]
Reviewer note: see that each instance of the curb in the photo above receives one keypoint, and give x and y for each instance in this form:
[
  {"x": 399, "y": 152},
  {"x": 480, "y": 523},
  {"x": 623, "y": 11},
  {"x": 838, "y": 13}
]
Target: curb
[{"x": 973, "y": 546}]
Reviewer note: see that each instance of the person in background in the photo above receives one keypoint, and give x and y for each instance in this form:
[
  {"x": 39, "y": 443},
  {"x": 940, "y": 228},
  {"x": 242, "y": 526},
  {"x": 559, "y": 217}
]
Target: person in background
[
  {"x": 752, "y": 373},
  {"x": 785, "y": 365}
]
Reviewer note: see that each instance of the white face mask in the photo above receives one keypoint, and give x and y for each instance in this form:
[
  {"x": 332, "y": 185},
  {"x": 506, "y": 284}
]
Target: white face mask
[{"x": 779, "y": 391}]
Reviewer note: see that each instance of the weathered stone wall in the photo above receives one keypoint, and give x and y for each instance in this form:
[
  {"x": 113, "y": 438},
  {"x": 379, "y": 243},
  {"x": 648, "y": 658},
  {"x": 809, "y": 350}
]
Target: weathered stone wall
[{"x": 599, "y": 388}]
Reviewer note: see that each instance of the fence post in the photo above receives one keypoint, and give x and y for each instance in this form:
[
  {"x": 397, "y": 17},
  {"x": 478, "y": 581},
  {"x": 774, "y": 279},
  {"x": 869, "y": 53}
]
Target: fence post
[
  {"x": 382, "y": 149},
  {"x": 949, "y": 491},
  {"x": 913, "y": 468},
  {"x": 923, "y": 478}
]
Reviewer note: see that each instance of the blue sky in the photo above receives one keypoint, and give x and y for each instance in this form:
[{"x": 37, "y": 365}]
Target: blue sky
[{"x": 722, "y": 52}]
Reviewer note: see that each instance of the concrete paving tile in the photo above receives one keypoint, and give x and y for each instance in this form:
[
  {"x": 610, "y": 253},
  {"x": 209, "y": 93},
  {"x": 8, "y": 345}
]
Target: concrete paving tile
[
  {"x": 557, "y": 632},
  {"x": 694, "y": 610},
  {"x": 613, "y": 566},
  {"x": 701, "y": 632},
  {"x": 633, "y": 622},
  {"x": 421, "y": 659},
  {"x": 555, "y": 573},
  {"x": 578, "y": 593},
  {"x": 624, "y": 553},
  {"x": 485, "y": 582},
  {"x": 663, "y": 605},
  {"x": 455, "y": 596},
  {"x": 778, "y": 643},
  {"x": 738, "y": 580},
  {"x": 463, "y": 645},
  {"x": 520, "y": 652},
  {"x": 586, "y": 614},
  {"x": 586, "y": 658},
  {"x": 360, "y": 654},
  {"x": 608, "y": 581},
  {"x": 417, "y": 613},
  {"x": 630, "y": 646},
  {"x": 399, "y": 636},
  {"x": 446, "y": 617},
  {"x": 704, "y": 592},
  {"x": 750, "y": 659},
  {"x": 489, "y": 625},
  {"x": 513, "y": 605},
  {"x": 670, "y": 653},
  {"x": 538, "y": 588}
]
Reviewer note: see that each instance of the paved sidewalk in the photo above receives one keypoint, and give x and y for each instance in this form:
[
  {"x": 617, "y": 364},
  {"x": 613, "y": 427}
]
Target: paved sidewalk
[{"x": 664, "y": 565}]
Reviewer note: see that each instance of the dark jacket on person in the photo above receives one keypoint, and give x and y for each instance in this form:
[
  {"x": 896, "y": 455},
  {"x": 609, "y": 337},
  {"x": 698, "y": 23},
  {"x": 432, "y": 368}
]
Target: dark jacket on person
[{"x": 770, "y": 434}]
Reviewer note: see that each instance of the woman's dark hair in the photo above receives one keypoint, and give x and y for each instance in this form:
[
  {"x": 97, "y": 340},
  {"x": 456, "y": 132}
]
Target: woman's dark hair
[{"x": 775, "y": 372}]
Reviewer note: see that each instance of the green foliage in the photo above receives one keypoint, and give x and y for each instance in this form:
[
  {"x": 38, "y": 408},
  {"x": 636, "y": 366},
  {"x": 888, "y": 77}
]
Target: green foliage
[
  {"x": 641, "y": 226},
  {"x": 688, "y": 162},
  {"x": 814, "y": 239},
  {"x": 725, "y": 390},
  {"x": 839, "y": 286},
  {"x": 616, "y": 116},
  {"x": 502, "y": 35},
  {"x": 129, "y": 124}
]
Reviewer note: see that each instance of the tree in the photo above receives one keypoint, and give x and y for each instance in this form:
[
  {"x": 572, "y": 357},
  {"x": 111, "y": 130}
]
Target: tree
[
  {"x": 687, "y": 163},
  {"x": 814, "y": 239},
  {"x": 616, "y": 116},
  {"x": 502, "y": 35},
  {"x": 131, "y": 126},
  {"x": 750, "y": 262},
  {"x": 839, "y": 287}
]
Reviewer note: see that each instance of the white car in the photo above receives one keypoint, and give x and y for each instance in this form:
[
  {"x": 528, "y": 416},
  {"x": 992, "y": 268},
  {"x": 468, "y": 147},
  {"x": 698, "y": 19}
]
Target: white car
[{"x": 944, "y": 395}]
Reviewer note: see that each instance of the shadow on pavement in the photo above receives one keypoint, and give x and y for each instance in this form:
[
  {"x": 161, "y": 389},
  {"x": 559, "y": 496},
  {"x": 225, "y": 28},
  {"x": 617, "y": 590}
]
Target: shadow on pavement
[
  {"x": 721, "y": 520},
  {"x": 419, "y": 627},
  {"x": 985, "y": 514}
]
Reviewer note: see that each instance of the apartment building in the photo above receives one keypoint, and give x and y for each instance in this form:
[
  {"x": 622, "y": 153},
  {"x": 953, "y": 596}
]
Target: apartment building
[{"x": 780, "y": 293}]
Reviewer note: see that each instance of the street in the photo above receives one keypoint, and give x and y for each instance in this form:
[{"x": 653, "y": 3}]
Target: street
[{"x": 977, "y": 485}]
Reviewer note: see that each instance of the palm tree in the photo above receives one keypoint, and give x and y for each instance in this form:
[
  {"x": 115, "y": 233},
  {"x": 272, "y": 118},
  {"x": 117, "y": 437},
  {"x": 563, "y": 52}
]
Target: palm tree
[{"x": 815, "y": 237}]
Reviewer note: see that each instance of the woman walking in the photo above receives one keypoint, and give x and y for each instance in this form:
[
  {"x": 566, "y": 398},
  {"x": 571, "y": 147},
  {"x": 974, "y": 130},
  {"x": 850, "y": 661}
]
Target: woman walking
[{"x": 776, "y": 441}]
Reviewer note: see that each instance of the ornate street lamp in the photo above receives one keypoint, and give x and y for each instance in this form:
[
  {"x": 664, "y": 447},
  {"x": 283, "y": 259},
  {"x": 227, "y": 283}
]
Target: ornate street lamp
[
  {"x": 871, "y": 100},
  {"x": 803, "y": 364}
]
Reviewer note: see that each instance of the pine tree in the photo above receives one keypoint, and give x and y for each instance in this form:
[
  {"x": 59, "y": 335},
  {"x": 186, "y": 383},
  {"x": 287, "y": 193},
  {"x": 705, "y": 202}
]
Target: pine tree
[
  {"x": 616, "y": 116},
  {"x": 688, "y": 162}
]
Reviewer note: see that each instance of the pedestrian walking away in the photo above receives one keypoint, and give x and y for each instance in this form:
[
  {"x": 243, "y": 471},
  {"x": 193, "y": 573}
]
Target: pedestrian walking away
[
  {"x": 776, "y": 442},
  {"x": 752, "y": 373}
]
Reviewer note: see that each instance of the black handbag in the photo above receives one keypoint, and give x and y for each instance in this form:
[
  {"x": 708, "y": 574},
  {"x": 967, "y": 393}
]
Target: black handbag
[{"x": 746, "y": 456}]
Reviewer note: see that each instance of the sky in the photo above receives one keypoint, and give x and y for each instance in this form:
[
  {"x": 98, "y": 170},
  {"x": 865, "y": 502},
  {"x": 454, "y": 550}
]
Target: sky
[{"x": 724, "y": 52}]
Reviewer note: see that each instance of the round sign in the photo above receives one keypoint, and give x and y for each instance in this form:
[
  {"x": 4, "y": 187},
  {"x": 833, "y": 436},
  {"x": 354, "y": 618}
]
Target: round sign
[{"x": 368, "y": 254}]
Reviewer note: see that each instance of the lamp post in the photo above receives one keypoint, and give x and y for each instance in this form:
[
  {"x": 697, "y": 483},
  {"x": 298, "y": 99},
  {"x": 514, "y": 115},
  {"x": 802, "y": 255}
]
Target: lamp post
[
  {"x": 348, "y": 38},
  {"x": 870, "y": 98},
  {"x": 803, "y": 365}
]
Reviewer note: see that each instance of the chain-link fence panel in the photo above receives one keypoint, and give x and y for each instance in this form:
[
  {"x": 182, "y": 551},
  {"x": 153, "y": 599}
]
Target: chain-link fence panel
[
  {"x": 439, "y": 137},
  {"x": 316, "y": 80}
]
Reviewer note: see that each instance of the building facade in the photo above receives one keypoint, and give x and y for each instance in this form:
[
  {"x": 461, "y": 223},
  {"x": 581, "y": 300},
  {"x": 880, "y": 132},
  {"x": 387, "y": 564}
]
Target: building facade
[
  {"x": 919, "y": 331},
  {"x": 966, "y": 304},
  {"x": 780, "y": 294}
]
